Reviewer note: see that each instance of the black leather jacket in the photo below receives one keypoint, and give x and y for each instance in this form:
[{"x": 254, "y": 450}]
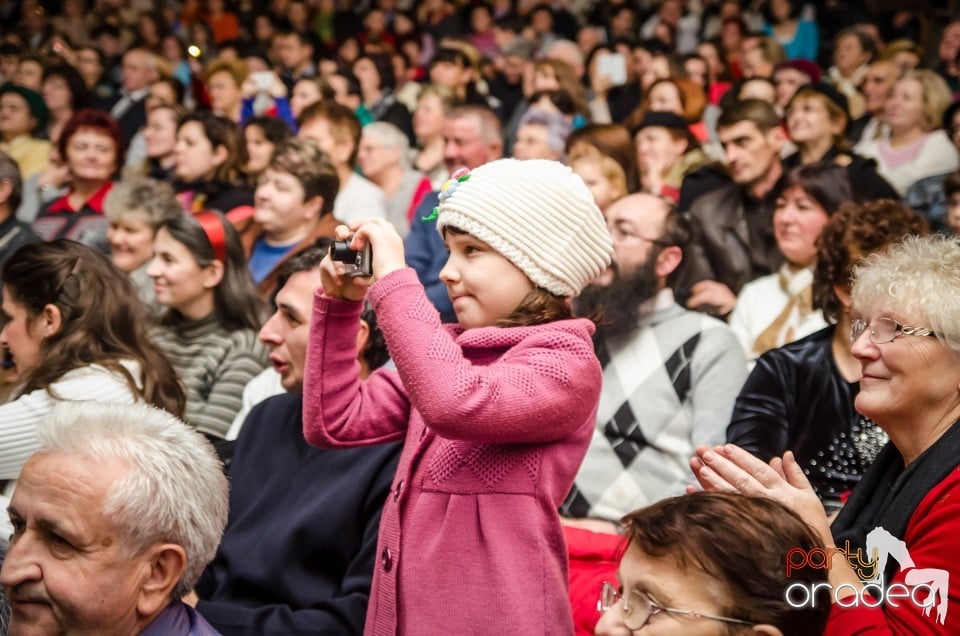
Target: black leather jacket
[{"x": 795, "y": 399}]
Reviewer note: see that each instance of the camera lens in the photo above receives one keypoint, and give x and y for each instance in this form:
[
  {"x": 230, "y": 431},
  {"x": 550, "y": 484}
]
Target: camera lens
[{"x": 340, "y": 251}]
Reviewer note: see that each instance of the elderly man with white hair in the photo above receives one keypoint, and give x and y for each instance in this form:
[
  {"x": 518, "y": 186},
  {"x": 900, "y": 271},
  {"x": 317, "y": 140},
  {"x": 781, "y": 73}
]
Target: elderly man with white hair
[
  {"x": 114, "y": 518},
  {"x": 384, "y": 158}
]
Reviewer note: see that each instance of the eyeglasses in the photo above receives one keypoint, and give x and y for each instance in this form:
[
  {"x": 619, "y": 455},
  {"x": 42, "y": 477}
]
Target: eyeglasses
[
  {"x": 637, "y": 614},
  {"x": 884, "y": 329},
  {"x": 620, "y": 234}
]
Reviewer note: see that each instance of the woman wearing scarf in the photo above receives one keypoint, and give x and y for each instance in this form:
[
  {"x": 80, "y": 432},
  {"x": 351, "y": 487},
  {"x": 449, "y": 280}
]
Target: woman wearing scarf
[{"x": 778, "y": 308}]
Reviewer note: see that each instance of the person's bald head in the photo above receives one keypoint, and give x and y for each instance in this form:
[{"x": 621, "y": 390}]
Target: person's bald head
[{"x": 645, "y": 226}]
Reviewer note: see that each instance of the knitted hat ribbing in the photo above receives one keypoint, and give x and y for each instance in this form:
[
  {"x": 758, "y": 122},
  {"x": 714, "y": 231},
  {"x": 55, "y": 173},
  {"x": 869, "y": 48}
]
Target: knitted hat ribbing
[{"x": 538, "y": 214}]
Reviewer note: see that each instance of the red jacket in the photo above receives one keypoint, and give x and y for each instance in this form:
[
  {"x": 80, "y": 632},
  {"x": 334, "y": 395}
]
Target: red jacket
[{"x": 933, "y": 539}]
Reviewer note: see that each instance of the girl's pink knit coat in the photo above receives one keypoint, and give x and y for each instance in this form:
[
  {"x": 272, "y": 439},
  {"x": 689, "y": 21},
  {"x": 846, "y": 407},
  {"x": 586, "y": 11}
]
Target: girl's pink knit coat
[{"x": 495, "y": 423}]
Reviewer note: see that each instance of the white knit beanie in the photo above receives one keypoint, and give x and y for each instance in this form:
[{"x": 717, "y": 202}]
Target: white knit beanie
[{"x": 538, "y": 214}]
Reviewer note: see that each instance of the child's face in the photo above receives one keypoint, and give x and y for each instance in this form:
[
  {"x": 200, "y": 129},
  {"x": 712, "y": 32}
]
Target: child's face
[
  {"x": 600, "y": 187},
  {"x": 953, "y": 213},
  {"x": 483, "y": 285}
]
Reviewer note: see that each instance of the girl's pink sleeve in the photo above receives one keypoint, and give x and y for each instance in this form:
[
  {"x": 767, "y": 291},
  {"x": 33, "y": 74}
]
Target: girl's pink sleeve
[
  {"x": 540, "y": 390},
  {"x": 338, "y": 408}
]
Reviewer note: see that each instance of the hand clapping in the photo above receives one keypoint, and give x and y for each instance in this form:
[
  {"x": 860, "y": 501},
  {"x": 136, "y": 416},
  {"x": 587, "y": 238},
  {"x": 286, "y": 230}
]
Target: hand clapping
[{"x": 729, "y": 468}]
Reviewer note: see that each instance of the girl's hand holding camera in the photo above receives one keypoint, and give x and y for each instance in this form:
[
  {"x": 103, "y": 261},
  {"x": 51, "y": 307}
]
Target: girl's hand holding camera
[{"x": 386, "y": 253}]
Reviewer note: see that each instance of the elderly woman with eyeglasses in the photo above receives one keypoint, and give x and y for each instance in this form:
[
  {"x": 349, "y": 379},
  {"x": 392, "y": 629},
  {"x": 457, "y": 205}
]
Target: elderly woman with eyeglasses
[
  {"x": 712, "y": 564},
  {"x": 799, "y": 397},
  {"x": 906, "y": 336}
]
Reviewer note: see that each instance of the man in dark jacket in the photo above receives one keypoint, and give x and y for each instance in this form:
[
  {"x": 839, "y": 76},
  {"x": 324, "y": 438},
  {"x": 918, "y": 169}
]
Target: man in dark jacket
[
  {"x": 298, "y": 552},
  {"x": 733, "y": 226},
  {"x": 138, "y": 69}
]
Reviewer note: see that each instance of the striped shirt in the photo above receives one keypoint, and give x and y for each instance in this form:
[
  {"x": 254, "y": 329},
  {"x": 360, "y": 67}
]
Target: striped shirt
[{"x": 214, "y": 365}]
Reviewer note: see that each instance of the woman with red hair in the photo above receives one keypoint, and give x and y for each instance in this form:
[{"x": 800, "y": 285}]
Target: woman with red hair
[{"x": 92, "y": 147}]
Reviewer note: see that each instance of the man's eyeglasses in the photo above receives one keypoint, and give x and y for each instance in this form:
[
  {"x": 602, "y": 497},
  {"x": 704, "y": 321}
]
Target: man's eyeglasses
[
  {"x": 620, "y": 233},
  {"x": 885, "y": 329},
  {"x": 637, "y": 613}
]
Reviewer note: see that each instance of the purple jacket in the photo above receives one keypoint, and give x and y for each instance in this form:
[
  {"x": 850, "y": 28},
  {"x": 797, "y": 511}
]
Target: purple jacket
[
  {"x": 179, "y": 619},
  {"x": 495, "y": 423}
]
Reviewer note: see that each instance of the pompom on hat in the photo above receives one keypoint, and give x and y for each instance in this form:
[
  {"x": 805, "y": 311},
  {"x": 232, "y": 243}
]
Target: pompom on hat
[{"x": 538, "y": 214}]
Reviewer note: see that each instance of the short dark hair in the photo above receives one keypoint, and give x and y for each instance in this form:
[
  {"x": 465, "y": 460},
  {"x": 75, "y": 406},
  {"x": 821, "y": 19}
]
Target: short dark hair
[
  {"x": 275, "y": 130},
  {"x": 10, "y": 49},
  {"x": 305, "y": 260},
  {"x": 312, "y": 168},
  {"x": 827, "y": 183},
  {"x": 762, "y": 114},
  {"x": 376, "y": 353},
  {"x": 384, "y": 66},
  {"x": 866, "y": 42},
  {"x": 79, "y": 96},
  {"x": 743, "y": 543},
  {"x": 677, "y": 229},
  {"x": 853, "y": 232},
  {"x": 451, "y": 56},
  {"x": 795, "y": 8},
  {"x": 287, "y": 31},
  {"x": 179, "y": 90}
]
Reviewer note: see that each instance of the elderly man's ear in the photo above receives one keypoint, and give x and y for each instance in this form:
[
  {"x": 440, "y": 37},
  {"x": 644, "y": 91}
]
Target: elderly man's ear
[{"x": 166, "y": 563}]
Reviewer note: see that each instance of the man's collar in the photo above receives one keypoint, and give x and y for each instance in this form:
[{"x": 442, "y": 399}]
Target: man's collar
[
  {"x": 136, "y": 95},
  {"x": 662, "y": 300},
  {"x": 770, "y": 196}
]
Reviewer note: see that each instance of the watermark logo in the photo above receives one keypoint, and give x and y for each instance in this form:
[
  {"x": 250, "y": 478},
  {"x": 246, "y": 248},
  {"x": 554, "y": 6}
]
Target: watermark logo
[{"x": 925, "y": 588}]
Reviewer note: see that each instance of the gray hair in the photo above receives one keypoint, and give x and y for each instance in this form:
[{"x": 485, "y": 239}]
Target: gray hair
[
  {"x": 144, "y": 199},
  {"x": 557, "y": 125},
  {"x": 10, "y": 171},
  {"x": 919, "y": 277},
  {"x": 174, "y": 491},
  {"x": 391, "y": 137},
  {"x": 566, "y": 51},
  {"x": 485, "y": 122}
]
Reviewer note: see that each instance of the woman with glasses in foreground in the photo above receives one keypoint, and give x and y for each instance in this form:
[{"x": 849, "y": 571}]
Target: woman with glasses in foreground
[
  {"x": 906, "y": 336},
  {"x": 712, "y": 564}
]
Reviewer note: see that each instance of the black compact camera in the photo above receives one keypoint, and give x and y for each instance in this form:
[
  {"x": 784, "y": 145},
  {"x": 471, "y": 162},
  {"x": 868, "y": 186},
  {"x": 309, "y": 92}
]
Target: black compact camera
[{"x": 356, "y": 262}]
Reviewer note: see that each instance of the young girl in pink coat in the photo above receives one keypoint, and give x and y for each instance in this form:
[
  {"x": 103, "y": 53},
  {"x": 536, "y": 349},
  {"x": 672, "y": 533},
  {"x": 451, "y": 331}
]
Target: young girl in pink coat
[{"x": 495, "y": 413}]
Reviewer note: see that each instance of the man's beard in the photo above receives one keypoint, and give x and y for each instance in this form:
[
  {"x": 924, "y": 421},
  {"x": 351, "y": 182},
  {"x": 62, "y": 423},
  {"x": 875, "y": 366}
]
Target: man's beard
[{"x": 617, "y": 306}]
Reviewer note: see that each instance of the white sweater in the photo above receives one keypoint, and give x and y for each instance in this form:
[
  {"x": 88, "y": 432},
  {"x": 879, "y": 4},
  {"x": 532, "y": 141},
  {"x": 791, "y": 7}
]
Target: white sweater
[
  {"x": 19, "y": 418},
  {"x": 760, "y": 303},
  {"x": 932, "y": 154}
]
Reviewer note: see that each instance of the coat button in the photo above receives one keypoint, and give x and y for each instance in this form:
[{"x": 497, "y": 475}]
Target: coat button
[
  {"x": 386, "y": 558},
  {"x": 396, "y": 492}
]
